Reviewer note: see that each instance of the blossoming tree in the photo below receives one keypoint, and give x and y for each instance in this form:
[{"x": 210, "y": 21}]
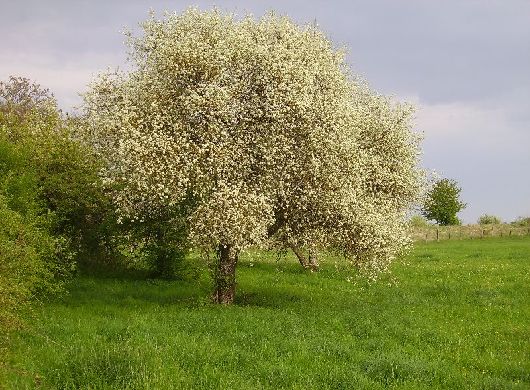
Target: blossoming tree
[{"x": 259, "y": 129}]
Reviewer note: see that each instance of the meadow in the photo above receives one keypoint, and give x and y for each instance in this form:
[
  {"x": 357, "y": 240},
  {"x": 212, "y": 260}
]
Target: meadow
[{"x": 451, "y": 314}]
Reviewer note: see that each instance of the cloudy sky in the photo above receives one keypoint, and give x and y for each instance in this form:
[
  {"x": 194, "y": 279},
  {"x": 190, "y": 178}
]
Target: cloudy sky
[{"x": 465, "y": 64}]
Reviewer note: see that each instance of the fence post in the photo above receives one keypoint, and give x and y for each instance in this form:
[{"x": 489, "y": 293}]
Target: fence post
[{"x": 437, "y": 235}]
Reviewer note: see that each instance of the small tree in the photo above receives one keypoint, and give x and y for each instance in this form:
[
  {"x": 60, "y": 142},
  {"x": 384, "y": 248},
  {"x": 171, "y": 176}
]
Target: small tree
[
  {"x": 258, "y": 130},
  {"x": 488, "y": 220},
  {"x": 442, "y": 202}
]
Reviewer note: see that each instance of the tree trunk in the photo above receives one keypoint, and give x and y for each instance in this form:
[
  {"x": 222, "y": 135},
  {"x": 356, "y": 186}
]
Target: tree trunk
[
  {"x": 313, "y": 259},
  {"x": 225, "y": 275},
  {"x": 310, "y": 263}
]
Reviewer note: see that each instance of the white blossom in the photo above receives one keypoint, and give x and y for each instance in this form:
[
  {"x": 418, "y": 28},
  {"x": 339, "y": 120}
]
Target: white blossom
[{"x": 262, "y": 126}]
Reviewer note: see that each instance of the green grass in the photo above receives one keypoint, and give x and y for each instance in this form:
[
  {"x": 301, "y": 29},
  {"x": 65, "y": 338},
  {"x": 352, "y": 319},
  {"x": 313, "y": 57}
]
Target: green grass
[{"x": 453, "y": 314}]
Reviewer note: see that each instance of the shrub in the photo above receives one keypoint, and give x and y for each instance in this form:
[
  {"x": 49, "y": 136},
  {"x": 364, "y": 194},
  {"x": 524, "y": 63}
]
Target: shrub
[
  {"x": 64, "y": 171},
  {"x": 488, "y": 220},
  {"x": 156, "y": 243},
  {"x": 32, "y": 262},
  {"x": 418, "y": 221},
  {"x": 36, "y": 253},
  {"x": 522, "y": 221}
]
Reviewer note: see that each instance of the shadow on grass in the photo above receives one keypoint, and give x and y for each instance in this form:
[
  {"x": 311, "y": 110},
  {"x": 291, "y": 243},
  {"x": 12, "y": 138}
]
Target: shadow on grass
[
  {"x": 270, "y": 298},
  {"x": 133, "y": 294},
  {"x": 132, "y": 291},
  {"x": 266, "y": 284}
]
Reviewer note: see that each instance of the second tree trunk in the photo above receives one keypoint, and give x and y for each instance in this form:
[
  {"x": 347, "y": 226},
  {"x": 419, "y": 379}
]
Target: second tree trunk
[{"x": 225, "y": 274}]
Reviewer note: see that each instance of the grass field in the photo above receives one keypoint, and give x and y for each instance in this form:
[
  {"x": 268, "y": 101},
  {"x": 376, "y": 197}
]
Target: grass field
[{"x": 453, "y": 314}]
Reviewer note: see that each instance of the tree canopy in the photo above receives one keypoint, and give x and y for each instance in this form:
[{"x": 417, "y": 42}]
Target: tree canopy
[
  {"x": 257, "y": 131},
  {"x": 443, "y": 202}
]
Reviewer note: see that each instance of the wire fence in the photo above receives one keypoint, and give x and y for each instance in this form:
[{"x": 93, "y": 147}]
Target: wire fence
[{"x": 437, "y": 233}]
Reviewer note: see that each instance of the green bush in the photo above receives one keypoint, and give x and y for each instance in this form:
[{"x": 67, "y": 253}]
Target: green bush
[
  {"x": 64, "y": 171},
  {"x": 158, "y": 245},
  {"x": 489, "y": 220},
  {"x": 522, "y": 221},
  {"x": 36, "y": 256},
  {"x": 20, "y": 263},
  {"x": 73, "y": 192},
  {"x": 33, "y": 263},
  {"x": 418, "y": 221}
]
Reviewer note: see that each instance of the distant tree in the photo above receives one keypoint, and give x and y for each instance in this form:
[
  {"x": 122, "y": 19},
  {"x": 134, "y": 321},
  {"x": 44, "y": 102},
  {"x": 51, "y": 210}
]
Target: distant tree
[
  {"x": 488, "y": 220},
  {"x": 26, "y": 108},
  {"x": 521, "y": 221},
  {"x": 256, "y": 130},
  {"x": 443, "y": 202}
]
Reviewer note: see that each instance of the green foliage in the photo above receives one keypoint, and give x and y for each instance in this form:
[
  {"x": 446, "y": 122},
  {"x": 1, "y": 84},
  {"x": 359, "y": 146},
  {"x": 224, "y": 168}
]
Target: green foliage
[
  {"x": 440, "y": 321},
  {"x": 46, "y": 169},
  {"x": 33, "y": 261},
  {"x": 443, "y": 203},
  {"x": 64, "y": 173},
  {"x": 41, "y": 194},
  {"x": 158, "y": 245},
  {"x": 522, "y": 221},
  {"x": 487, "y": 219},
  {"x": 23, "y": 266},
  {"x": 418, "y": 221}
]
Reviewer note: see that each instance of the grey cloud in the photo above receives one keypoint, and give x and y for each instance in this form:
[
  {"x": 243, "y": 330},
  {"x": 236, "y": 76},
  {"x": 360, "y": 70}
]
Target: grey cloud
[{"x": 464, "y": 62}]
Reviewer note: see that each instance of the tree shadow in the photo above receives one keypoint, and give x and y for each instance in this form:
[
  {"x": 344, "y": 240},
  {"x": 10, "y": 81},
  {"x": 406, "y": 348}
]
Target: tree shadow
[
  {"x": 132, "y": 290},
  {"x": 270, "y": 297}
]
